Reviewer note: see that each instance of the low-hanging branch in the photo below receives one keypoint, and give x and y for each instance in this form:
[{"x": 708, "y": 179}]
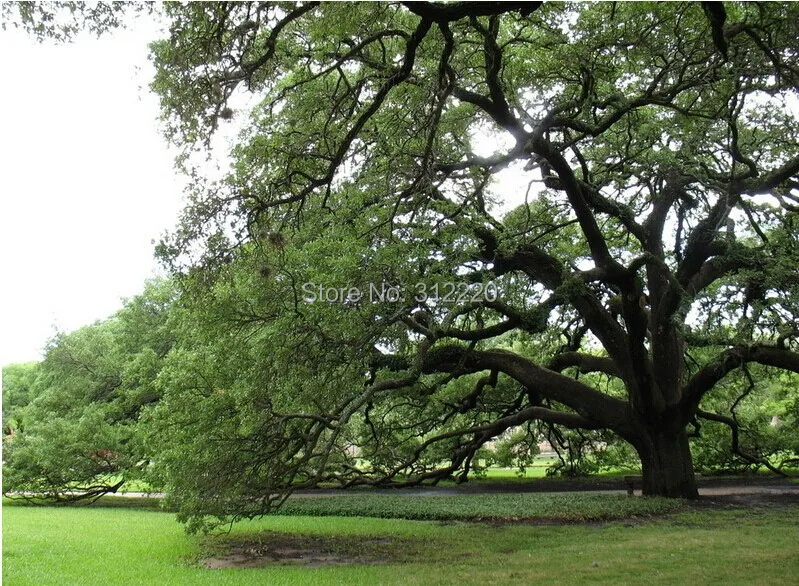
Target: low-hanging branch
[
  {"x": 736, "y": 446},
  {"x": 731, "y": 358}
]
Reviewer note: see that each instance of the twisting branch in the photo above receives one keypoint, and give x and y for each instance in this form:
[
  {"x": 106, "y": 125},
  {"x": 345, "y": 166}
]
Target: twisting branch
[
  {"x": 443, "y": 12},
  {"x": 584, "y": 363},
  {"x": 770, "y": 181},
  {"x": 247, "y": 69},
  {"x": 736, "y": 447},
  {"x": 480, "y": 435},
  {"x": 728, "y": 360}
]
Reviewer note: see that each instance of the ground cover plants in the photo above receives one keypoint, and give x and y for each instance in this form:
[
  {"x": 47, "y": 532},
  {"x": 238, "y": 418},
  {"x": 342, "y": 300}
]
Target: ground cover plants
[{"x": 494, "y": 507}]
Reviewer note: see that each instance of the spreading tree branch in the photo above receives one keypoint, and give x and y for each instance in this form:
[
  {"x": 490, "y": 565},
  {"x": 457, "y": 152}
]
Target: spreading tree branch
[
  {"x": 736, "y": 446},
  {"x": 730, "y": 359}
]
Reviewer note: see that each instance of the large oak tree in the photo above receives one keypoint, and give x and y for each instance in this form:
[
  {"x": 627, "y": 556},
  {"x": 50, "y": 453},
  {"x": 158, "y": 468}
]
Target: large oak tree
[{"x": 625, "y": 173}]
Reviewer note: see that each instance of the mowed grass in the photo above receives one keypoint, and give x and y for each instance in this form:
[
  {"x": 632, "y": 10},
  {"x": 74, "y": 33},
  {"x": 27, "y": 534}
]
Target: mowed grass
[{"x": 114, "y": 545}]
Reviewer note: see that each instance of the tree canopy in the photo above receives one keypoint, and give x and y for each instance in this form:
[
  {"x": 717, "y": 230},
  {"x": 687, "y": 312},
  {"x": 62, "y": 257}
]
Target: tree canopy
[
  {"x": 75, "y": 423},
  {"x": 580, "y": 215}
]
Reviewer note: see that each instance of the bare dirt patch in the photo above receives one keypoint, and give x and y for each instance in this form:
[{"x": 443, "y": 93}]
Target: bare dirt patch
[
  {"x": 310, "y": 551},
  {"x": 748, "y": 499}
]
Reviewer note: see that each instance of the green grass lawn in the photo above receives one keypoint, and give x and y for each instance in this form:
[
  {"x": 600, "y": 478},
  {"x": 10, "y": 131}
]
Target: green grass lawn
[
  {"x": 537, "y": 470},
  {"x": 117, "y": 545}
]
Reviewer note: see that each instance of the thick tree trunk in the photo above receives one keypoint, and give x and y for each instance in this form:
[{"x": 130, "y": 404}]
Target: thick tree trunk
[{"x": 667, "y": 466}]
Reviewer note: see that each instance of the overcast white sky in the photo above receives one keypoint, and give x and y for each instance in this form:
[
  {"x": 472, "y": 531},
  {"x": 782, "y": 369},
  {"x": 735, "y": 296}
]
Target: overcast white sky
[{"x": 86, "y": 182}]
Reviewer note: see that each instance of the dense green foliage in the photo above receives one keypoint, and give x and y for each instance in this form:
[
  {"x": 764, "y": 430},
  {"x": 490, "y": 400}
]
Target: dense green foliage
[
  {"x": 18, "y": 383},
  {"x": 79, "y": 424}
]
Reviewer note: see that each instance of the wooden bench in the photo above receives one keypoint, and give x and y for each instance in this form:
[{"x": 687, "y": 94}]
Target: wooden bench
[{"x": 631, "y": 481}]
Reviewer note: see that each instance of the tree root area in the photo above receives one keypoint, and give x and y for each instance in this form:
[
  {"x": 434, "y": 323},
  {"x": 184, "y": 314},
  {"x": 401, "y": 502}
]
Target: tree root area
[{"x": 309, "y": 551}]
